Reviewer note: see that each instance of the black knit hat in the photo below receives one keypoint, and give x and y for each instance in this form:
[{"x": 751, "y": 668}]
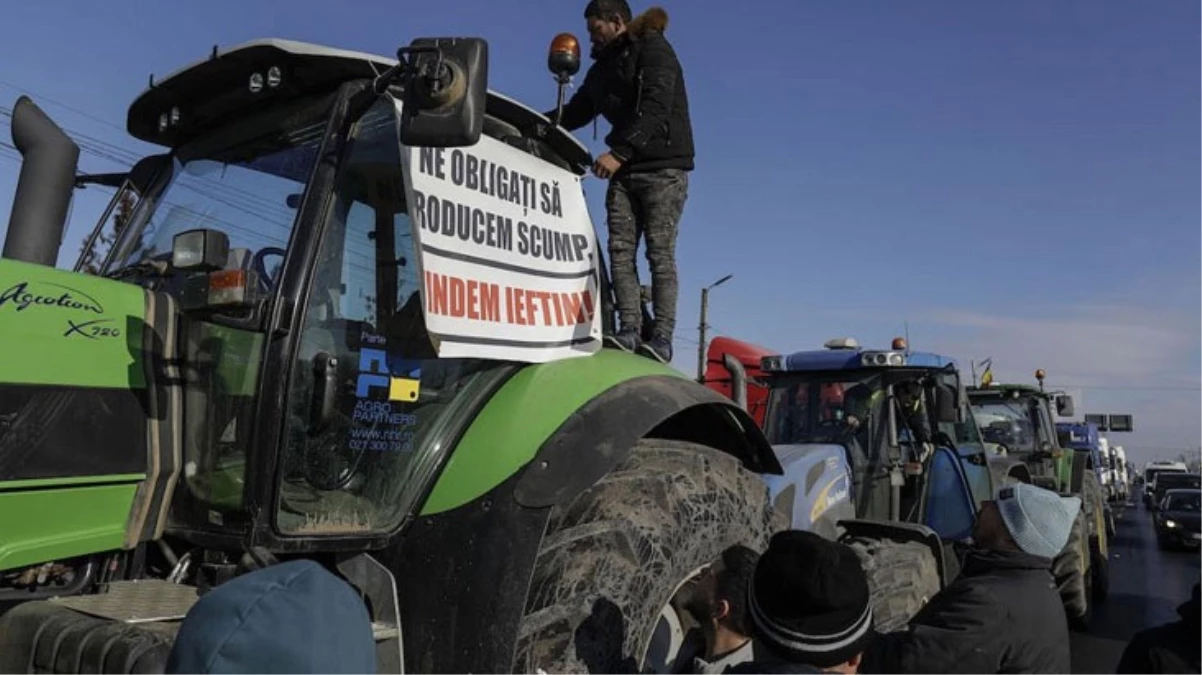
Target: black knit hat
[{"x": 810, "y": 601}]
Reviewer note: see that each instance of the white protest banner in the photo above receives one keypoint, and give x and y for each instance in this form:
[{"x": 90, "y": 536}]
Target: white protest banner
[{"x": 507, "y": 253}]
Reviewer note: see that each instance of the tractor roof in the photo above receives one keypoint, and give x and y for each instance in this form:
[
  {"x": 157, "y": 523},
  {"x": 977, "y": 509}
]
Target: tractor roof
[
  {"x": 216, "y": 89},
  {"x": 1005, "y": 391},
  {"x": 855, "y": 359}
]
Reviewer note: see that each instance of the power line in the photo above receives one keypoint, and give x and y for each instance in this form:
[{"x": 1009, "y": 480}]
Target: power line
[{"x": 1124, "y": 387}]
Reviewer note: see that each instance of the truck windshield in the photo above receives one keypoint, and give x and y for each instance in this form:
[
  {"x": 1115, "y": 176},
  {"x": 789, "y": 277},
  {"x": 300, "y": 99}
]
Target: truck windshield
[{"x": 245, "y": 181}]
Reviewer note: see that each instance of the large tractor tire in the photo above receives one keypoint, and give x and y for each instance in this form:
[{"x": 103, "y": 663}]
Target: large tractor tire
[
  {"x": 902, "y": 577},
  {"x": 1072, "y": 572},
  {"x": 1099, "y": 570},
  {"x": 613, "y": 559}
]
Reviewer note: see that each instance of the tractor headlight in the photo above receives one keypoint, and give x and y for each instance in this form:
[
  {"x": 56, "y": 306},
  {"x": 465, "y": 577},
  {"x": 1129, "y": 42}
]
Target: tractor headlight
[{"x": 1170, "y": 524}]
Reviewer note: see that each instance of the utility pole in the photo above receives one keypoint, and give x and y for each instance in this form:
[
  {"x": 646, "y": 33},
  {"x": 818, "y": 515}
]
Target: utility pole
[{"x": 701, "y": 325}]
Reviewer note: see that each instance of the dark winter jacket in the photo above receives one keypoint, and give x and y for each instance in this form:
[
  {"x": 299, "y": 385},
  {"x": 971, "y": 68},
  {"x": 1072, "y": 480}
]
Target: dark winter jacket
[
  {"x": 294, "y": 617},
  {"x": 637, "y": 85},
  {"x": 1001, "y": 615},
  {"x": 773, "y": 666},
  {"x": 1171, "y": 648}
]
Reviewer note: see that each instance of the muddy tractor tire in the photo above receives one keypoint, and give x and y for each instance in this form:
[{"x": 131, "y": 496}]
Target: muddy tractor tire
[
  {"x": 612, "y": 560},
  {"x": 902, "y": 577},
  {"x": 1071, "y": 570},
  {"x": 1099, "y": 569}
]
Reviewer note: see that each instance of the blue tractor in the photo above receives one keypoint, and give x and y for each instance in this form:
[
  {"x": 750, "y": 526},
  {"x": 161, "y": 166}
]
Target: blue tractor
[{"x": 879, "y": 449}]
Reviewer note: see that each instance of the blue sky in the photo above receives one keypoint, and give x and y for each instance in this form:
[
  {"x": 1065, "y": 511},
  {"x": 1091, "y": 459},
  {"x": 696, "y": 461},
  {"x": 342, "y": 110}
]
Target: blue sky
[{"x": 1017, "y": 180}]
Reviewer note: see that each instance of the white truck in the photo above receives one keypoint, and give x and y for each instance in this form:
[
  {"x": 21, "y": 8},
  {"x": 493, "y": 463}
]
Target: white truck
[
  {"x": 1122, "y": 474},
  {"x": 1106, "y": 475},
  {"x": 1156, "y": 467}
]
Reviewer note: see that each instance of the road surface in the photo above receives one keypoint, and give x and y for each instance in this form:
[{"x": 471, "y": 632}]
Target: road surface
[{"x": 1146, "y": 585}]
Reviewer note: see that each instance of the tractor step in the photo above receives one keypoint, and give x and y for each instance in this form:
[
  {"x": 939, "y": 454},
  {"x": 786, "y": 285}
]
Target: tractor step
[
  {"x": 139, "y": 601},
  {"x": 157, "y": 601}
]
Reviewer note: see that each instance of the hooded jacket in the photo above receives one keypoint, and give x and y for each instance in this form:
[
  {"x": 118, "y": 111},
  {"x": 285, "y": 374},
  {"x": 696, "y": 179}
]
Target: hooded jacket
[
  {"x": 1171, "y": 648},
  {"x": 294, "y": 617},
  {"x": 1001, "y": 615},
  {"x": 637, "y": 85}
]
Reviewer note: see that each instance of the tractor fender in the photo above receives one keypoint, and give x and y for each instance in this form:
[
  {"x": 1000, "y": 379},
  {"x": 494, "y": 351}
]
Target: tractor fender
[
  {"x": 814, "y": 489},
  {"x": 595, "y": 439}
]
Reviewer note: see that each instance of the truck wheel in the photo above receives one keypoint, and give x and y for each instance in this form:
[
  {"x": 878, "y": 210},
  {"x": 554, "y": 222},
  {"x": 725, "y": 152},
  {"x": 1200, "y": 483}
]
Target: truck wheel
[
  {"x": 902, "y": 577},
  {"x": 1071, "y": 571},
  {"x": 613, "y": 559}
]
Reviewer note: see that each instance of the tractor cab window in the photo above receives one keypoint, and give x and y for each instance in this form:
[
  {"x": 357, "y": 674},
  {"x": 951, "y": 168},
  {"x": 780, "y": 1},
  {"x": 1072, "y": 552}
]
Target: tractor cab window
[
  {"x": 1007, "y": 423},
  {"x": 372, "y": 411},
  {"x": 824, "y": 407},
  {"x": 246, "y": 182},
  {"x": 966, "y": 432}
]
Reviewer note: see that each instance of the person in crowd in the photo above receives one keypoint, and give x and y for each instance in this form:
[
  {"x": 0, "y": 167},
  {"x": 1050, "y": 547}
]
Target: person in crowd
[
  {"x": 292, "y": 617},
  {"x": 719, "y": 604},
  {"x": 810, "y": 607},
  {"x": 1002, "y": 614},
  {"x": 637, "y": 84},
  {"x": 1170, "y": 648}
]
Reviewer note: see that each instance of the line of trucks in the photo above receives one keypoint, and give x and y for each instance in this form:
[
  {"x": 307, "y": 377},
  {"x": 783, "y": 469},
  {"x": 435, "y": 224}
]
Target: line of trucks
[{"x": 190, "y": 413}]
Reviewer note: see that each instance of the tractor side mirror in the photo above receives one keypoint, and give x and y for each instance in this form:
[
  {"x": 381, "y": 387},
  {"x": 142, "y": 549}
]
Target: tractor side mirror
[
  {"x": 445, "y": 92},
  {"x": 947, "y": 404},
  {"x": 1064, "y": 405}
]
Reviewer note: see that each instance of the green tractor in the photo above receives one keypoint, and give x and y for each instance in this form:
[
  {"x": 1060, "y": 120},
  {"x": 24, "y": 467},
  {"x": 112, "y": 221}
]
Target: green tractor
[
  {"x": 185, "y": 412},
  {"x": 249, "y": 378},
  {"x": 1019, "y": 423}
]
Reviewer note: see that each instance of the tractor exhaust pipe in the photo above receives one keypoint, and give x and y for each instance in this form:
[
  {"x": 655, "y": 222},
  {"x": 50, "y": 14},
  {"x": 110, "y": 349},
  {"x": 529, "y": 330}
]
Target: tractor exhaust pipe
[
  {"x": 738, "y": 380},
  {"x": 44, "y": 189}
]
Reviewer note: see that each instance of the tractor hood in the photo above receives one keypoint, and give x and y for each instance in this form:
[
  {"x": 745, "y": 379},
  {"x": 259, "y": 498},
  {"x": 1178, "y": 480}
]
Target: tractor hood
[
  {"x": 816, "y": 480},
  {"x": 87, "y": 440}
]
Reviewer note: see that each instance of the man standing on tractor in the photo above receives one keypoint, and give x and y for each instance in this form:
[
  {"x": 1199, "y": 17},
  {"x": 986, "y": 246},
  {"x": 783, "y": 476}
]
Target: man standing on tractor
[{"x": 636, "y": 83}]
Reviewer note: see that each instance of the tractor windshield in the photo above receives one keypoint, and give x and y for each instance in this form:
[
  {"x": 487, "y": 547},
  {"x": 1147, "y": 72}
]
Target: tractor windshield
[
  {"x": 245, "y": 181},
  {"x": 825, "y": 408},
  {"x": 1007, "y": 423}
]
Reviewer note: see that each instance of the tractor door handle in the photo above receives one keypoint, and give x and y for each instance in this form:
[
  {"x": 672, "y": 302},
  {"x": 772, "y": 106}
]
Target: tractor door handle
[{"x": 325, "y": 383}]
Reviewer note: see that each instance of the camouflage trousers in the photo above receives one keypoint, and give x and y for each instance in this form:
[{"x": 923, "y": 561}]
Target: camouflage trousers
[{"x": 646, "y": 205}]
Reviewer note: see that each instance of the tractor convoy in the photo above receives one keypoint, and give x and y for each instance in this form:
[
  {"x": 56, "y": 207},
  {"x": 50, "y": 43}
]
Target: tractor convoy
[{"x": 191, "y": 411}]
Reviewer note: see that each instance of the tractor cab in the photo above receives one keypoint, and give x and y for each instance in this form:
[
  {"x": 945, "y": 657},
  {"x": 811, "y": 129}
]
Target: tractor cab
[
  {"x": 1020, "y": 422},
  {"x": 252, "y": 328},
  {"x": 897, "y": 419},
  {"x": 279, "y": 223}
]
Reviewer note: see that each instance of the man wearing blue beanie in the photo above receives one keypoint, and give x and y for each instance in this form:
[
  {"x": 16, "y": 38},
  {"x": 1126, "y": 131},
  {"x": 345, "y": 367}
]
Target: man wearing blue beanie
[
  {"x": 1003, "y": 613},
  {"x": 294, "y": 617}
]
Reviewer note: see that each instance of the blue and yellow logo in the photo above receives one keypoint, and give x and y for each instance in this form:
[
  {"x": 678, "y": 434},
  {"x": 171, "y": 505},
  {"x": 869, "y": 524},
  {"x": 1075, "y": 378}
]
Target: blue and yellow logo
[{"x": 379, "y": 371}]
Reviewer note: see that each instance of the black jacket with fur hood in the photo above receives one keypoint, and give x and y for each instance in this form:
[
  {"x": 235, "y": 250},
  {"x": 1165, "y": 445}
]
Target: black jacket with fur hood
[{"x": 637, "y": 85}]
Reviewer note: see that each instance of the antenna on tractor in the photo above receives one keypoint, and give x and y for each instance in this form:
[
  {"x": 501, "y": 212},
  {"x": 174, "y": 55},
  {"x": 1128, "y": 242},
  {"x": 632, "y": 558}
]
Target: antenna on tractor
[{"x": 564, "y": 61}]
